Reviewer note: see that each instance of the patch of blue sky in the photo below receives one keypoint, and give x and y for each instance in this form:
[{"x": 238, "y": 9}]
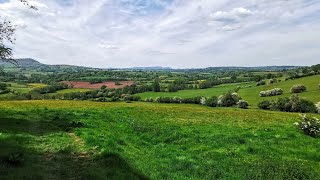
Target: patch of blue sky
[
  {"x": 64, "y": 2},
  {"x": 3, "y": 1},
  {"x": 145, "y": 7}
]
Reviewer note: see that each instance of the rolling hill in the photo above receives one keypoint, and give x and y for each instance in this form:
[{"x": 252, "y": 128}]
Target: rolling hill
[{"x": 251, "y": 94}]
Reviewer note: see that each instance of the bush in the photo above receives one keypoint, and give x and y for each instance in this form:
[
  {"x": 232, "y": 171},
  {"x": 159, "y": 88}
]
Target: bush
[
  {"x": 310, "y": 126},
  {"x": 243, "y": 104},
  {"x": 203, "y": 101},
  {"x": 304, "y": 106},
  {"x": 212, "y": 101},
  {"x": 260, "y": 83},
  {"x": 149, "y": 99},
  {"x": 3, "y": 86},
  {"x": 194, "y": 100},
  {"x": 272, "y": 92},
  {"x": 298, "y": 88},
  {"x": 229, "y": 99},
  {"x": 131, "y": 98},
  {"x": 265, "y": 105},
  {"x": 176, "y": 100},
  {"x": 164, "y": 100},
  {"x": 293, "y": 104},
  {"x": 274, "y": 80},
  {"x": 318, "y": 107},
  {"x": 5, "y": 91}
]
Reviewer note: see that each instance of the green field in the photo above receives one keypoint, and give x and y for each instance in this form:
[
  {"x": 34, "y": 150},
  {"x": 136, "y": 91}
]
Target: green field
[
  {"x": 42, "y": 140},
  {"x": 311, "y": 82},
  {"x": 249, "y": 94},
  {"x": 73, "y": 90},
  {"x": 215, "y": 91}
]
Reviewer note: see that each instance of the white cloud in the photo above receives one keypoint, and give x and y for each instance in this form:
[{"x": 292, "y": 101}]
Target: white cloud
[
  {"x": 233, "y": 15},
  {"x": 195, "y": 33}
]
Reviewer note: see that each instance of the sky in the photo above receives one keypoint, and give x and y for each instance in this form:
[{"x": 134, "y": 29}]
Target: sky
[{"x": 170, "y": 33}]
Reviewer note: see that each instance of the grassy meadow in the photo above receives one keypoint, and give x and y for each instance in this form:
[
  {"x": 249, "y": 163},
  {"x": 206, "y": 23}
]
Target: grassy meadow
[
  {"x": 250, "y": 94},
  {"x": 215, "y": 91},
  {"x": 311, "y": 82},
  {"x": 91, "y": 140}
]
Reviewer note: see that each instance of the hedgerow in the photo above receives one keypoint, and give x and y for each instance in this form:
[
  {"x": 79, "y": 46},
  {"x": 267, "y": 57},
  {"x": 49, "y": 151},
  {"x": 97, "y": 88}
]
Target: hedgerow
[
  {"x": 226, "y": 100},
  {"x": 292, "y": 104}
]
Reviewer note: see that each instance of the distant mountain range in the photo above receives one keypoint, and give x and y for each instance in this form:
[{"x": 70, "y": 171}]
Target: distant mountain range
[
  {"x": 151, "y": 68},
  {"x": 28, "y": 62},
  {"x": 24, "y": 62}
]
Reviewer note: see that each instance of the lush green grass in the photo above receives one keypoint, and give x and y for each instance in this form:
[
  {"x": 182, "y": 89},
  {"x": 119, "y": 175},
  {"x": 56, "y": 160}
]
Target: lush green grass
[
  {"x": 311, "y": 82},
  {"x": 20, "y": 88},
  {"x": 215, "y": 91},
  {"x": 149, "y": 140},
  {"x": 24, "y": 88}
]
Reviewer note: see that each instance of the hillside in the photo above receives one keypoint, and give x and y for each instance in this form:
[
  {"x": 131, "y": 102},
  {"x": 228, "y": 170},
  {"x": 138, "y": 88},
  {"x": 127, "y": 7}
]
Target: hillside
[
  {"x": 311, "y": 82},
  {"x": 88, "y": 140},
  {"x": 25, "y": 62},
  {"x": 251, "y": 94}
]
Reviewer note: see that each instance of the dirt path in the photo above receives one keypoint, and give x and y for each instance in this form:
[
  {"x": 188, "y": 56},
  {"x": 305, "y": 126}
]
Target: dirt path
[{"x": 80, "y": 159}]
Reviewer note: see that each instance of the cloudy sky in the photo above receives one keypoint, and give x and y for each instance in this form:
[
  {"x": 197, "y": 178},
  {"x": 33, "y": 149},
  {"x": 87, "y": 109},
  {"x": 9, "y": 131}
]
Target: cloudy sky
[{"x": 175, "y": 33}]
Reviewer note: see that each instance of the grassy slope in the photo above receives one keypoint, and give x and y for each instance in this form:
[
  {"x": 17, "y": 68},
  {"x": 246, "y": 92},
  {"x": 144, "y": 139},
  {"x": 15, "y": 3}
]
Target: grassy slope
[
  {"x": 139, "y": 140},
  {"x": 313, "y": 91},
  {"x": 249, "y": 94},
  {"x": 215, "y": 91},
  {"x": 20, "y": 88}
]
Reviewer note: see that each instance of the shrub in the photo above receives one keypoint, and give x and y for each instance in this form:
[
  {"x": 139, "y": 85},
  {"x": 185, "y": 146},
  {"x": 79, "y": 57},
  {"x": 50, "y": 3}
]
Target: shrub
[
  {"x": 298, "y": 88},
  {"x": 243, "y": 104},
  {"x": 164, "y": 100},
  {"x": 260, "y": 83},
  {"x": 194, "y": 100},
  {"x": 5, "y": 91},
  {"x": 304, "y": 106},
  {"x": 132, "y": 98},
  {"x": 212, "y": 101},
  {"x": 282, "y": 104},
  {"x": 149, "y": 99},
  {"x": 203, "y": 101},
  {"x": 294, "y": 104},
  {"x": 318, "y": 107},
  {"x": 229, "y": 99},
  {"x": 176, "y": 100},
  {"x": 3, "y": 86},
  {"x": 310, "y": 126},
  {"x": 265, "y": 105},
  {"x": 101, "y": 99},
  {"x": 274, "y": 80},
  {"x": 272, "y": 92},
  {"x": 114, "y": 98}
]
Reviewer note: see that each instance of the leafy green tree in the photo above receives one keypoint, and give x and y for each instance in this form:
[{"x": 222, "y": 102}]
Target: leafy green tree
[
  {"x": 156, "y": 85},
  {"x": 7, "y": 30},
  {"x": 233, "y": 77},
  {"x": 3, "y": 86}
]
